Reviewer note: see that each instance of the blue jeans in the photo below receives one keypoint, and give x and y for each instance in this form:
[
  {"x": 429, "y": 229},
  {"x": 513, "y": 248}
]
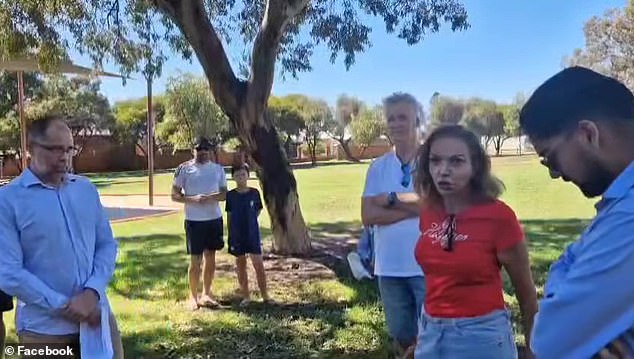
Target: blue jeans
[
  {"x": 402, "y": 303},
  {"x": 484, "y": 337}
]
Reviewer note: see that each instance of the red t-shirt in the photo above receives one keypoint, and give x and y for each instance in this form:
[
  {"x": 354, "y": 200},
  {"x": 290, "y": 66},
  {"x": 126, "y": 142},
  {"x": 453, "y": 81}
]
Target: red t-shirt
[{"x": 467, "y": 281}]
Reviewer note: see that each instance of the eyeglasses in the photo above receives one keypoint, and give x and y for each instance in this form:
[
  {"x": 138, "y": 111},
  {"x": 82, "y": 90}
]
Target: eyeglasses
[
  {"x": 406, "y": 169},
  {"x": 450, "y": 233},
  {"x": 59, "y": 150}
]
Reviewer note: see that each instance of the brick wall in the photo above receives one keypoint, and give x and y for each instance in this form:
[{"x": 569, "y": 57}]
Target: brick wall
[{"x": 103, "y": 154}]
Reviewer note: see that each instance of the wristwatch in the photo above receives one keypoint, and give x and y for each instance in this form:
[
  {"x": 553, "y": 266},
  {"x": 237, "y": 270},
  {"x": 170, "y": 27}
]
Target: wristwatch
[{"x": 391, "y": 199}]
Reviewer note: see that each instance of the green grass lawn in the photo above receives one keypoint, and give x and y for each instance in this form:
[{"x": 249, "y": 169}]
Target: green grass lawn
[{"x": 319, "y": 314}]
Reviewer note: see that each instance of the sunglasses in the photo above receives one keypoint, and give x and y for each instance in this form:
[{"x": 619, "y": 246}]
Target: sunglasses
[
  {"x": 450, "y": 233},
  {"x": 406, "y": 169}
]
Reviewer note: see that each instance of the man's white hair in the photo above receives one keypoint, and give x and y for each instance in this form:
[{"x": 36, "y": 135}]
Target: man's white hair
[{"x": 404, "y": 97}]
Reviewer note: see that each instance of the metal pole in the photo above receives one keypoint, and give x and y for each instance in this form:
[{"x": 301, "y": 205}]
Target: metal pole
[
  {"x": 150, "y": 140},
  {"x": 22, "y": 120}
]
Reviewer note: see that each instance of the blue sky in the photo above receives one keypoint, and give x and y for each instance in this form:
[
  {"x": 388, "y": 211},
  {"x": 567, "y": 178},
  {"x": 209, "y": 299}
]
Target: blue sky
[{"x": 511, "y": 46}]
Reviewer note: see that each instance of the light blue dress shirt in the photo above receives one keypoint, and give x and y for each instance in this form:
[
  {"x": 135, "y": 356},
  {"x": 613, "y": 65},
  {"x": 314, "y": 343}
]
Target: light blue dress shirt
[
  {"x": 589, "y": 295},
  {"x": 55, "y": 242}
]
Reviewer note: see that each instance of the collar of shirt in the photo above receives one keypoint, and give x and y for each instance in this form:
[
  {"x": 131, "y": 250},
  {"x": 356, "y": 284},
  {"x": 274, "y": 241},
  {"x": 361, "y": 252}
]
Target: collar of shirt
[
  {"x": 28, "y": 179},
  {"x": 619, "y": 187}
]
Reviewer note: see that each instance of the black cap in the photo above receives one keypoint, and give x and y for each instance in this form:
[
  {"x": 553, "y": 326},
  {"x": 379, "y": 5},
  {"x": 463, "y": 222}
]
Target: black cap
[
  {"x": 203, "y": 143},
  {"x": 571, "y": 95}
]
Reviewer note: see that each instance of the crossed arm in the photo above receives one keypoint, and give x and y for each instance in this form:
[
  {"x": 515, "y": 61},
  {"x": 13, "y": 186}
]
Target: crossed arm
[
  {"x": 375, "y": 210},
  {"x": 592, "y": 303}
]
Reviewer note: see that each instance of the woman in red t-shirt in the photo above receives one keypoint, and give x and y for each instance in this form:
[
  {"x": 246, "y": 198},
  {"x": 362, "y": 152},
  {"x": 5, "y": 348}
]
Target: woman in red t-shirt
[{"x": 467, "y": 235}]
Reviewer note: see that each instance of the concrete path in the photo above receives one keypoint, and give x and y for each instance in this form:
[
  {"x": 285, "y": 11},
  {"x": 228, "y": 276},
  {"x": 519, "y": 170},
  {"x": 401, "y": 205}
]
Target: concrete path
[{"x": 139, "y": 201}]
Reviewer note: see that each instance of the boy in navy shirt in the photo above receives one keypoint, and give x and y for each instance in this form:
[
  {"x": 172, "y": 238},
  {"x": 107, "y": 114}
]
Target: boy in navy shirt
[{"x": 243, "y": 208}]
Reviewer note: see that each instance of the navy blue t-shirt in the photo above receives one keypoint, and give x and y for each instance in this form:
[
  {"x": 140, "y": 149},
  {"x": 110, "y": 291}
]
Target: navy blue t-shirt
[{"x": 242, "y": 209}]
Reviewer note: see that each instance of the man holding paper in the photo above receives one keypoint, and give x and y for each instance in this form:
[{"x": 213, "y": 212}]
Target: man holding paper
[
  {"x": 58, "y": 251},
  {"x": 201, "y": 184}
]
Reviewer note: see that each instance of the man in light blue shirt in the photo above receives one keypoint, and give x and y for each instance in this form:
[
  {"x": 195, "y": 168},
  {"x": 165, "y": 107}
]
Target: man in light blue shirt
[
  {"x": 582, "y": 125},
  {"x": 58, "y": 250}
]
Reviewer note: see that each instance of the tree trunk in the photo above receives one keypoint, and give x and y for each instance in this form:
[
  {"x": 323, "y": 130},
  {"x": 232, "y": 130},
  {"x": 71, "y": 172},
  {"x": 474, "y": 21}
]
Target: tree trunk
[
  {"x": 497, "y": 143},
  {"x": 345, "y": 145},
  {"x": 362, "y": 150},
  {"x": 313, "y": 152},
  {"x": 487, "y": 142},
  {"x": 18, "y": 161},
  {"x": 290, "y": 234},
  {"x": 287, "y": 145},
  {"x": 245, "y": 102}
]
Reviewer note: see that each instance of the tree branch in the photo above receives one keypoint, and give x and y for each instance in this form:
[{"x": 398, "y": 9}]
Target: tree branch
[
  {"x": 266, "y": 46},
  {"x": 192, "y": 19}
]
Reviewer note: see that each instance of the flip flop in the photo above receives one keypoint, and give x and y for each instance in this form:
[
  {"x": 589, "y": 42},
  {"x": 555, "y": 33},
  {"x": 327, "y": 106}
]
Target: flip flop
[{"x": 209, "y": 303}]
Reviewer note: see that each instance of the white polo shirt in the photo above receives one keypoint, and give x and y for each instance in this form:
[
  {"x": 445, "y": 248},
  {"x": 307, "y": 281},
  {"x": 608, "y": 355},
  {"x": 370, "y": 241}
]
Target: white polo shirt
[
  {"x": 196, "y": 178},
  {"x": 394, "y": 244}
]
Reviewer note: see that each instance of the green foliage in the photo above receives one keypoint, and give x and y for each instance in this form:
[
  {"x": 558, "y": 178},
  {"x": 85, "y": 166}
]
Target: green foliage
[
  {"x": 486, "y": 120},
  {"x": 131, "y": 120},
  {"x": 79, "y": 99},
  {"x": 319, "y": 119},
  {"x": 10, "y": 134},
  {"x": 128, "y": 33},
  {"x": 367, "y": 127},
  {"x": 286, "y": 115},
  {"x": 346, "y": 110},
  {"x": 609, "y": 48},
  {"x": 511, "y": 113},
  {"x": 446, "y": 110},
  {"x": 9, "y": 90},
  {"x": 9, "y": 120},
  {"x": 232, "y": 144},
  {"x": 297, "y": 113},
  {"x": 191, "y": 112}
]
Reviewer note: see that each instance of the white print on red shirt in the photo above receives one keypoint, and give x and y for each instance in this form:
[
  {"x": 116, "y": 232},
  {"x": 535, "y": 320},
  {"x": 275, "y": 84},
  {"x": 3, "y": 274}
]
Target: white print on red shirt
[{"x": 439, "y": 233}]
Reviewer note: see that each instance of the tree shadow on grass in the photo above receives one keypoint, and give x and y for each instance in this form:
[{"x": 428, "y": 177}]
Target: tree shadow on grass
[
  {"x": 123, "y": 174},
  {"x": 151, "y": 267},
  {"x": 309, "y": 323},
  {"x": 331, "y": 243},
  {"x": 312, "y": 324},
  {"x": 107, "y": 182},
  {"x": 274, "y": 334},
  {"x": 547, "y": 240}
]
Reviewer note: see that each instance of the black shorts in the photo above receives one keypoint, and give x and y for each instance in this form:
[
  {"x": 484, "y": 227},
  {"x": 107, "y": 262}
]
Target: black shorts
[
  {"x": 204, "y": 235},
  {"x": 6, "y": 302}
]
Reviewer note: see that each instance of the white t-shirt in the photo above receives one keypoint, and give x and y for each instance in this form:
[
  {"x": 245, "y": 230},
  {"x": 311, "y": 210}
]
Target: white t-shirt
[
  {"x": 394, "y": 244},
  {"x": 196, "y": 178}
]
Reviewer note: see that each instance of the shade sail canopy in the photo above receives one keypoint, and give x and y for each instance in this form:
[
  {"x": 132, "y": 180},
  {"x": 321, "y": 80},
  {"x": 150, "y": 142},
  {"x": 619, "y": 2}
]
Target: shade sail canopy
[{"x": 66, "y": 67}]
